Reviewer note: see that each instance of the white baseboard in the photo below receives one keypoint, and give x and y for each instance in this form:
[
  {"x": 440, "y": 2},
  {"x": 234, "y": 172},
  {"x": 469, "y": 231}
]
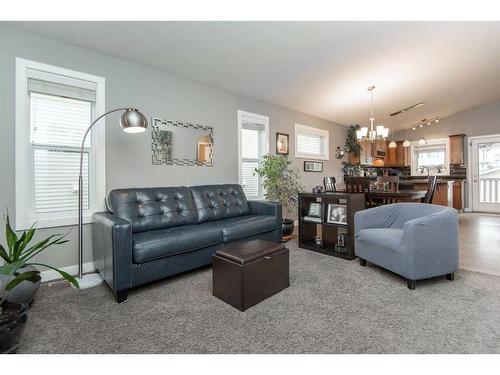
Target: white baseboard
[{"x": 49, "y": 275}]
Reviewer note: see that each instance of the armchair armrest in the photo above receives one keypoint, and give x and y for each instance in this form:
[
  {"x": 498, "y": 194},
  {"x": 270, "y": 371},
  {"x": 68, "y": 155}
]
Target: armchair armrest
[
  {"x": 432, "y": 243},
  {"x": 112, "y": 248}
]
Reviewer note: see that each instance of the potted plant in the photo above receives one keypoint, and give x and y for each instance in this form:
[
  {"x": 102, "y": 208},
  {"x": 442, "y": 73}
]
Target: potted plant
[
  {"x": 17, "y": 270},
  {"x": 281, "y": 183},
  {"x": 352, "y": 145}
]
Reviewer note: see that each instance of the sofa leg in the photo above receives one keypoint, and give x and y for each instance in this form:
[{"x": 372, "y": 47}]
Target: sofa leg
[
  {"x": 362, "y": 262},
  {"x": 450, "y": 276},
  {"x": 121, "y": 296},
  {"x": 411, "y": 284}
]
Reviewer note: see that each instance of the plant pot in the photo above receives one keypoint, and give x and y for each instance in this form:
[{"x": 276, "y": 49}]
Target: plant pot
[
  {"x": 12, "y": 323},
  {"x": 23, "y": 292},
  {"x": 287, "y": 227},
  {"x": 354, "y": 159}
]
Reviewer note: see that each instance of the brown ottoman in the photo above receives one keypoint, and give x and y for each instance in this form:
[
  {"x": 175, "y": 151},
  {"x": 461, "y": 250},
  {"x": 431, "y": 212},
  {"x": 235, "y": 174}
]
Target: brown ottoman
[{"x": 246, "y": 273}]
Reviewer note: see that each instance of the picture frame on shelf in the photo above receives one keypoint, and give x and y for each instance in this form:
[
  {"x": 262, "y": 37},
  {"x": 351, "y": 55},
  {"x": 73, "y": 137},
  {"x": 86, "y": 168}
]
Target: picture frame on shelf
[
  {"x": 337, "y": 214},
  {"x": 314, "y": 213},
  {"x": 313, "y": 166},
  {"x": 282, "y": 143}
]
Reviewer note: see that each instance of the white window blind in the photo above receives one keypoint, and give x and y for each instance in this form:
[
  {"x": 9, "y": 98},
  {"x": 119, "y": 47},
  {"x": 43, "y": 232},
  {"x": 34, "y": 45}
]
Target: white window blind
[
  {"x": 57, "y": 127},
  {"x": 311, "y": 142},
  {"x": 253, "y": 147}
]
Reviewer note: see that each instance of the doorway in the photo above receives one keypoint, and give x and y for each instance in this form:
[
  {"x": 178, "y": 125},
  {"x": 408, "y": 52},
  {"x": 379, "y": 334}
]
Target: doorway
[{"x": 485, "y": 172}]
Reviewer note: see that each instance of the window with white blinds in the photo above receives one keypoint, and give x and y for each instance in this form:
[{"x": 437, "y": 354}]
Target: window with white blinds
[
  {"x": 253, "y": 146},
  {"x": 311, "y": 142},
  {"x": 57, "y": 128},
  {"x": 54, "y": 108}
]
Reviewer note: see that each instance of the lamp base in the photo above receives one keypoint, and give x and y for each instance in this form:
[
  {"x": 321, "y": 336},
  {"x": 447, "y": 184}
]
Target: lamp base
[{"x": 89, "y": 280}]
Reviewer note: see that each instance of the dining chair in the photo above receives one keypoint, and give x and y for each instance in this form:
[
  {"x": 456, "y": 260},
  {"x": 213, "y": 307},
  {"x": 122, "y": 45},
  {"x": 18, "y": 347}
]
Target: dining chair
[
  {"x": 392, "y": 184},
  {"x": 329, "y": 183},
  {"x": 431, "y": 189},
  {"x": 359, "y": 185}
]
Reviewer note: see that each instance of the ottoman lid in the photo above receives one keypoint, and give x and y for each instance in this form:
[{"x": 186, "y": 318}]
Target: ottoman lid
[{"x": 246, "y": 252}]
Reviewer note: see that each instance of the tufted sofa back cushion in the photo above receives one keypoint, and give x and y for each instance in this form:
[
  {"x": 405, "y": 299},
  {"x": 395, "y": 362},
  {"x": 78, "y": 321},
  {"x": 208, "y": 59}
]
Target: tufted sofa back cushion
[
  {"x": 215, "y": 202},
  {"x": 154, "y": 208}
]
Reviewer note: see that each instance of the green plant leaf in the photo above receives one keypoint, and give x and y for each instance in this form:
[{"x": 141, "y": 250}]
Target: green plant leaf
[
  {"x": 11, "y": 268},
  {"x": 66, "y": 275},
  {"x": 42, "y": 245},
  {"x": 10, "y": 235},
  {"x": 4, "y": 255},
  {"x": 28, "y": 275}
]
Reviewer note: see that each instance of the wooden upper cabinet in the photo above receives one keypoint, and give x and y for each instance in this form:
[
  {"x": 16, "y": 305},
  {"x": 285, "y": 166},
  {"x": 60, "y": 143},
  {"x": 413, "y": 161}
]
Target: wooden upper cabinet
[
  {"x": 392, "y": 155},
  {"x": 397, "y": 156},
  {"x": 402, "y": 158},
  {"x": 457, "y": 149}
]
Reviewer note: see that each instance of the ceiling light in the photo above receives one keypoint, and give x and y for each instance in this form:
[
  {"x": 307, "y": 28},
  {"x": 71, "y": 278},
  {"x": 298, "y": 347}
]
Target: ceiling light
[
  {"x": 372, "y": 135},
  {"x": 436, "y": 120},
  {"x": 392, "y": 144},
  {"x": 421, "y": 141},
  {"x": 406, "y": 142}
]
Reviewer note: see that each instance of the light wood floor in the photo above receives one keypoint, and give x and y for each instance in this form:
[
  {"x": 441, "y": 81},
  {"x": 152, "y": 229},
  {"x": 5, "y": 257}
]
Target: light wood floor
[{"x": 480, "y": 243}]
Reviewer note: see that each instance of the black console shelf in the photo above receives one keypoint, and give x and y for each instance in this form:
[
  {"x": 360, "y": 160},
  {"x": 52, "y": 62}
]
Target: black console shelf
[{"x": 329, "y": 232}]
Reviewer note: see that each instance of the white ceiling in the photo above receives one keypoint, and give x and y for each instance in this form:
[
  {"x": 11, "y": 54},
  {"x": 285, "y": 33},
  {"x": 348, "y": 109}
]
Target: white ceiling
[{"x": 319, "y": 68}]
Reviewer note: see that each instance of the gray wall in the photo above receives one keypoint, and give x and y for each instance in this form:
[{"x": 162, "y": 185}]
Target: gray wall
[
  {"x": 482, "y": 120},
  {"x": 156, "y": 93}
]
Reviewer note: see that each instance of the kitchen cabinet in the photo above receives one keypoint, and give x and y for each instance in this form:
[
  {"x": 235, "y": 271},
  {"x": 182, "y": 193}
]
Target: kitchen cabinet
[
  {"x": 443, "y": 194},
  {"x": 392, "y": 156},
  {"x": 397, "y": 157},
  {"x": 457, "y": 149},
  {"x": 458, "y": 187}
]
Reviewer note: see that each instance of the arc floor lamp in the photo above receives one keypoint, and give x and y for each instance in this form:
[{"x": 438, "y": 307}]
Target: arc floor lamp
[{"x": 131, "y": 121}]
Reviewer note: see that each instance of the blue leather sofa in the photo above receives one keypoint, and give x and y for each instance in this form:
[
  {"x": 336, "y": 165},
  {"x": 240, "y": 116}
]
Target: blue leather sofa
[
  {"x": 415, "y": 240},
  {"x": 151, "y": 233}
]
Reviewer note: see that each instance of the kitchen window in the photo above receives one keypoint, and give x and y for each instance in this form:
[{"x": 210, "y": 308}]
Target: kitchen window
[
  {"x": 54, "y": 108},
  {"x": 431, "y": 158}
]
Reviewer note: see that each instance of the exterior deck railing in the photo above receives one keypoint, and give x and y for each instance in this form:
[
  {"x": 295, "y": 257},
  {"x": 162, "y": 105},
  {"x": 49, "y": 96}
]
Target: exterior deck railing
[{"x": 489, "y": 189}]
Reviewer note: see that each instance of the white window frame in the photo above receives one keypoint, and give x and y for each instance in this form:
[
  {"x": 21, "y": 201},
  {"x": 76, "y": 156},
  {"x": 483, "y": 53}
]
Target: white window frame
[
  {"x": 259, "y": 119},
  {"x": 324, "y": 134},
  {"x": 24, "y": 176},
  {"x": 430, "y": 142}
]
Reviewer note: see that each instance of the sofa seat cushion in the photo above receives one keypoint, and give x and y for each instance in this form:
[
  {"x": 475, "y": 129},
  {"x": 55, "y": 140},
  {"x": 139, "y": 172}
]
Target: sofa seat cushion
[
  {"x": 162, "y": 243},
  {"x": 241, "y": 227},
  {"x": 381, "y": 246},
  {"x": 390, "y": 238}
]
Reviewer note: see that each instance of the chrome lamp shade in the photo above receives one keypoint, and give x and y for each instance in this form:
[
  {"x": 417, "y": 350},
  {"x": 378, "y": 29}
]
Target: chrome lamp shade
[{"x": 133, "y": 121}]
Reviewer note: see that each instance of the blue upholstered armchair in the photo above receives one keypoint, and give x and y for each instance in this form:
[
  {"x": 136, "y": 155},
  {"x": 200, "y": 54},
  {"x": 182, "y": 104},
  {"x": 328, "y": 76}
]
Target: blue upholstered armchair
[{"x": 414, "y": 240}]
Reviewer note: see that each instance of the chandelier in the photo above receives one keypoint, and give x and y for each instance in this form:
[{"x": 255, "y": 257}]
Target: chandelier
[{"x": 372, "y": 135}]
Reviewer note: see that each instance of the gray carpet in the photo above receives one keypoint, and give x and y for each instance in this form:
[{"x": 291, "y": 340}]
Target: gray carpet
[{"x": 332, "y": 306}]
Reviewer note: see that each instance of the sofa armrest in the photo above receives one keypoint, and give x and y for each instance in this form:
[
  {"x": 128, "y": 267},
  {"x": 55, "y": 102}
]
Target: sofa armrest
[
  {"x": 376, "y": 217},
  {"x": 112, "y": 248},
  {"x": 265, "y": 208},
  {"x": 432, "y": 244}
]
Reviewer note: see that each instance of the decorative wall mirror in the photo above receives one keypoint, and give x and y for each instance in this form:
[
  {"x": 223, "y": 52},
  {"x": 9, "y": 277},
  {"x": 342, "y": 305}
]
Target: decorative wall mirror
[{"x": 181, "y": 143}]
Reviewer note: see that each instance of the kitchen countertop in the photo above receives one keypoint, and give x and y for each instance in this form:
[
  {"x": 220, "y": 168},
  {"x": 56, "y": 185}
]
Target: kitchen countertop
[{"x": 422, "y": 181}]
